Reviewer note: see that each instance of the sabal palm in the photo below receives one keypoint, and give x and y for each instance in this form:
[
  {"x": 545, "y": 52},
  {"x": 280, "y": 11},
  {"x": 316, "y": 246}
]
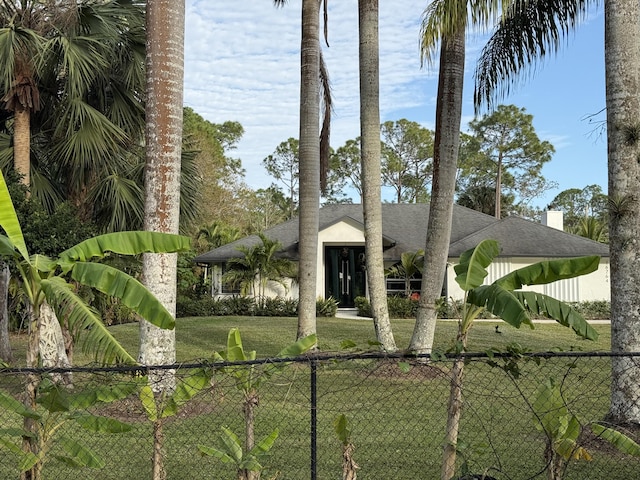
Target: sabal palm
[
  {"x": 83, "y": 69},
  {"x": 532, "y": 30}
]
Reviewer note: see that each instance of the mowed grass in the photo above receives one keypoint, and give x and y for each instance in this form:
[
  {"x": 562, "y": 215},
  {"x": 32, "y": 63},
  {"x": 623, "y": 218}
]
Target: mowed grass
[{"x": 398, "y": 420}]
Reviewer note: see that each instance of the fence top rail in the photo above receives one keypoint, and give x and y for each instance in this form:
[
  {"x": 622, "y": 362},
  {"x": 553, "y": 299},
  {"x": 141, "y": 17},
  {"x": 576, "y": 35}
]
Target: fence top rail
[{"x": 315, "y": 358}]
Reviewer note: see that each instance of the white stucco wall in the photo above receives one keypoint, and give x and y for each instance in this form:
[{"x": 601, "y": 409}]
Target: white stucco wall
[{"x": 595, "y": 286}]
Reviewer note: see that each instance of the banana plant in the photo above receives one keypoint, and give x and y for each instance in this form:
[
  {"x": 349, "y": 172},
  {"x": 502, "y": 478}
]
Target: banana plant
[
  {"x": 248, "y": 378},
  {"x": 56, "y": 407},
  {"x": 47, "y": 282},
  {"x": 504, "y": 299},
  {"x": 563, "y": 429}
]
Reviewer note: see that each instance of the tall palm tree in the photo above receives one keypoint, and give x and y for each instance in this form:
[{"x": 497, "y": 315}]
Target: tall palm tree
[
  {"x": 313, "y": 157},
  {"x": 371, "y": 179},
  {"x": 531, "y": 30},
  {"x": 163, "y": 139}
]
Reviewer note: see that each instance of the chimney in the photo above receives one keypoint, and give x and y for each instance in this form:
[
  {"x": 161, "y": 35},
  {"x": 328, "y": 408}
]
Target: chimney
[{"x": 553, "y": 219}]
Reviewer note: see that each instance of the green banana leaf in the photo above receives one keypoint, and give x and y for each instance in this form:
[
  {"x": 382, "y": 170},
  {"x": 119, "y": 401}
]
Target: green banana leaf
[
  {"x": 98, "y": 424},
  {"x": 124, "y": 243},
  {"x": 7, "y": 248},
  {"x": 189, "y": 387},
  {"x": 501, "y": 303},
  {"x": 10, "y": 403},
  {"x": 84, "y": 322},
  {"x": 263, "y": 447},
  {"x": 102, "y": 394},
  {"x": 471, "y": 271},
  {"x": 617, "y": 439},
  {"x": 79, "y": 455},
  {"x": 9, "y": 220},
  {"x": 561, "y": 312},
  {"x": 549, "y": 271},
  {"x": 133, "y": 294}
]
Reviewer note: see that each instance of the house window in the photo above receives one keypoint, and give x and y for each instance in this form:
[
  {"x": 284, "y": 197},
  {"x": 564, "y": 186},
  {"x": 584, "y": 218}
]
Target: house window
[
  {"x": 221, "y": 288},
  {"x": 397, "y": 286}
]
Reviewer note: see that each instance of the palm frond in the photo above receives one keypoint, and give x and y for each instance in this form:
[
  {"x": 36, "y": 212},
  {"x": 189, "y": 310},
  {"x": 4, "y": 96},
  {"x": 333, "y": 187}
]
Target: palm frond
[
  {"x": 529, "y": 31},
  {"x": 84, "y": 322}
]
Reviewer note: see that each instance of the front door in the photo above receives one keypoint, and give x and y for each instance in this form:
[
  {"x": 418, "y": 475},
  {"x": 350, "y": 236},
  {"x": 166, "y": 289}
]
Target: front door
[{"x": 345, "y": 277}]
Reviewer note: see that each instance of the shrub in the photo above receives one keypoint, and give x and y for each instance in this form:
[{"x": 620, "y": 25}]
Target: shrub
[
  {"x": 326, "y": 307},
  {"x": 363, "y": 306},
  {"x": 276, "y": 307},
  {"x": 402, "y": 307}
]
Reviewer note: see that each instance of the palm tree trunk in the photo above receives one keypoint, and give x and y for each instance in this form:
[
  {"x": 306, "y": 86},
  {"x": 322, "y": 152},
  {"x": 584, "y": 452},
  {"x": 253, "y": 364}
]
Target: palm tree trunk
[
  {"x": 52, "y": 344},
  {"x": 622, "y": 66},
  {"x": 370, "y": 151},
  {"x": 163, "y": 134},
  {"x": 21, "y": 144},
  {"x": 309, "y": 152},
  {"x": 445, "y": 158}
]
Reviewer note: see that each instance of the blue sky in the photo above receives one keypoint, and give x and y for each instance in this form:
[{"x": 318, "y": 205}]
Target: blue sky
[{"x": 242, "y": 63}]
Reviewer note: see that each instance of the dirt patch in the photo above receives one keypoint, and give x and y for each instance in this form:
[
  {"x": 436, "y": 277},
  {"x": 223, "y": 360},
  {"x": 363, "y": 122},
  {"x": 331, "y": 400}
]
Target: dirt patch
[{"x": 129, "y": 410}]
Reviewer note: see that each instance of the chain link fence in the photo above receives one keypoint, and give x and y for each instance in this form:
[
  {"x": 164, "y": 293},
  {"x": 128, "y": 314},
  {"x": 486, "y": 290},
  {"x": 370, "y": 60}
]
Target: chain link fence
[{"x": 522, "y": 416}]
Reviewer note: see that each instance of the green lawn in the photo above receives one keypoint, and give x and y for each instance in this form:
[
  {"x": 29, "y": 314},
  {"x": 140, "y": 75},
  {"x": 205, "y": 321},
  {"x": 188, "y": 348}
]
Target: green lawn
[{"x": 398, "y": 418}]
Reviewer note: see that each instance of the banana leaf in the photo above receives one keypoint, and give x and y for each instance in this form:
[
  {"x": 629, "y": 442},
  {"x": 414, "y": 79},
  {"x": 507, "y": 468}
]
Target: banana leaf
[
  {"x": 471, "y": 271},
  {"x": 549, "y": 271},
  {"x": 9, "y": 220},
  {"x": 84, "y": 322},
  {"x": 133, "y": 294},
  {"x": 123, "y": 243}
]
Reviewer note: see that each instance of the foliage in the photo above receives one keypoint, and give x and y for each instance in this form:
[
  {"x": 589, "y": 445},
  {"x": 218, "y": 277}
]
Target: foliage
[
  {"x": 259, "y": 265},
  {"x": 326, "y": 307},
  {"x": 510, "y": 155},
  {"x": 56, "y": 408},
  {"x": 407, "y": 165},
  {"x": 44, "y": 278},
  {"x": 248, "y": 380},
  {"x": 207, "y": 306},
  {"x": 284, "y": 166},
  {"x": 563, "y": 429}
]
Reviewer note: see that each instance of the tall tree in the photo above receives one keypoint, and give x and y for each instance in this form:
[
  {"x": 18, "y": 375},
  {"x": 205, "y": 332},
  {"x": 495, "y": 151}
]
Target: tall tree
[
  {"x": 347, "y": 164},
  {"x": 579, "y": 205},
  {"x": 309, "y": 218},
  {"x": 528, "y": 31},
  {"x": 371, "y": 180},
  {"x": 407, "y": 150},
  {"x": 508, "y": 143},
  {"x": 284, "y": 165},
  {"x": 163, "y": 140},
  {"x": 444, "y": 21}
]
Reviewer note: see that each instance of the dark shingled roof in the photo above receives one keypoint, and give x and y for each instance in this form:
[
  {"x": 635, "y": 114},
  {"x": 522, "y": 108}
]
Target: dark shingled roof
[{"x": 404, "y": 229}]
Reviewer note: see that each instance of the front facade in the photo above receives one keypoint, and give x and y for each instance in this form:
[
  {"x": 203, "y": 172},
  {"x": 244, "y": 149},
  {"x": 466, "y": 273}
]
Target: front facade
[{"x": 341, "y": 254}]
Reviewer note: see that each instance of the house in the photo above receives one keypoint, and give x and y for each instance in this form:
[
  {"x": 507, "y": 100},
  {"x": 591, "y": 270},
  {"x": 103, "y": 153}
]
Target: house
[{"x": 341, "y": 258}]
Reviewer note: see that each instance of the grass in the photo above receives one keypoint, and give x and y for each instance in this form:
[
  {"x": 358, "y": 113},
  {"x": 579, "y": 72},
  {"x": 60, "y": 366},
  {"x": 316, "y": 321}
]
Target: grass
[{"x": 398, "y": 419}]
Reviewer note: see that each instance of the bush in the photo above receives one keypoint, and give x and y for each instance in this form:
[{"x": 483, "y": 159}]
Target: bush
[
  {"x": 362, "y": 306},
  {"x": 402, "y": 307},
  {"x": 276, "y": 307},
  {"x": 326, "y": 308}
]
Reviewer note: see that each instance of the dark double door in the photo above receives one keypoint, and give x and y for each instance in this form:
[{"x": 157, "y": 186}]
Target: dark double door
[{"x": 345, "y": 276}]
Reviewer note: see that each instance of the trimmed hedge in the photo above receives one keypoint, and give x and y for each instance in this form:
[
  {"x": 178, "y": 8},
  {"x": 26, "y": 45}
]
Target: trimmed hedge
[
  {"x": 247, "y": 306},
  {"x": 403, "y": 307}
]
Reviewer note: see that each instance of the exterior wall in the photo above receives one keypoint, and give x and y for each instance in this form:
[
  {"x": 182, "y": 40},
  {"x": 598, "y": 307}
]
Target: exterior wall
[
  {"x": 343, "y": 233},
  {"x": 594, "y": 286}
]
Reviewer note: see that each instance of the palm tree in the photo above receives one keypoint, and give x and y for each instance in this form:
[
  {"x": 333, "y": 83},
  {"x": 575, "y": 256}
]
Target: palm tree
[
  {"x": 531, "y": 30},
  {"x": 72, "y": 70},
  {"x": 444, "y": 21},
  {"x": 163, "y": 139},
  {"x": 371, "y": 178},
  {"x": 257, "y": 266}
]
